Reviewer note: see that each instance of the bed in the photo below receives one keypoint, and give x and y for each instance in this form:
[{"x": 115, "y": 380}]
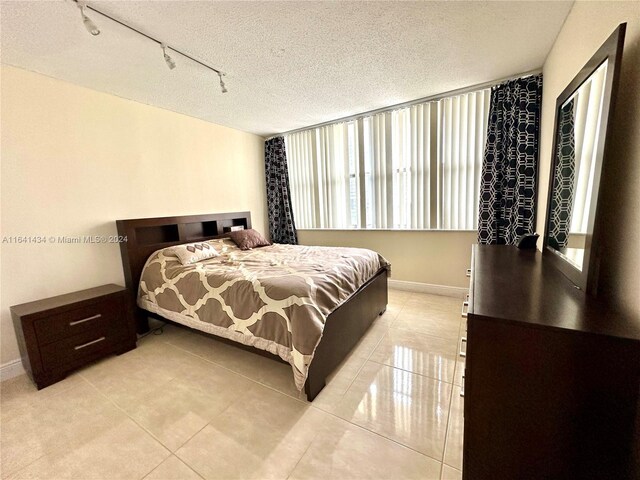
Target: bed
[{"x": 258, "y": 299}]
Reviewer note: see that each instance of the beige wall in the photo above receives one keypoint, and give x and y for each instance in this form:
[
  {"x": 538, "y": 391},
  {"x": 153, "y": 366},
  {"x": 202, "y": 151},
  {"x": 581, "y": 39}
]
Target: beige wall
[
  {"x": 586, "y": 28},
  {"x": 75, "y": 160},
  {"x": 434, "y": 257}
]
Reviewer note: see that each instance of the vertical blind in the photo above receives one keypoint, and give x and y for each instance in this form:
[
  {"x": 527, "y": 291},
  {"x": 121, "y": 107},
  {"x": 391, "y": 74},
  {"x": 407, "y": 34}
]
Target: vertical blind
[
  {"x": 587, "y": 114},
  {"x": 411, "y": 152},
  {"x": 413, "y": 168},
  {"x": 462, "y": 130}
]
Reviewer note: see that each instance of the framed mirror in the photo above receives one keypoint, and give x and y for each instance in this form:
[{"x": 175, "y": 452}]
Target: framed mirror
[{"x": 583, "y": 113}]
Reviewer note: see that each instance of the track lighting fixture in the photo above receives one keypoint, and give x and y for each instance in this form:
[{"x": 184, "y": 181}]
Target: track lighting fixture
[
  {"x": 88, "y": 23},
  {"x": 223, "y": 87},
  {"x": 94, "y": 30},
  {"x": 169, "y": 61}
]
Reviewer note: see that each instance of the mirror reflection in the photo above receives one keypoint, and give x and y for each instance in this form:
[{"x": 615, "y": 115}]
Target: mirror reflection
[{"x": 578, "y": 124}]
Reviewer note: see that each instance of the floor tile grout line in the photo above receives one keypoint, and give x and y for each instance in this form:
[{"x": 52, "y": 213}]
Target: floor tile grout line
[
  {"x": 414, "y": 373},
  {"x": 430, "y": 335},
  {"x": 362, "y": 366},
  {"x": 311, "y": 403},
  {"x": 446, "y": 435},
  {"x": 258, "y": 382},
  {"x": 179, "y": 459},
  {"x": 109, "y": 401},
  {"x": 173, "y": 378},
  {"x": 378, "y": 434},
  {"x": 453, "y": 391},
  {"x": 201, "y": 429},
  {"x": 66, "y": 390},
  {"x": 30, "y": 404},
  {"x": 389, "y": 327},
  {"x": 18, "y": 470},
  {"x": 367, "y": 359},
  {"x": 205, "y": 426},
  {"x": 151, "y": 433},
  {"x": 133, "y": 420},
  {"x": 234, "y": 372},
  {"x": 284, "y": 393},
  {"x": 371, "y": 431},
  {"x": 422, "y": 333},
  {"x": 400, "y": 312},
  {"x": 302, "y": 456},
  {"x": 188, "y": 466},
  {"x": 384, "y": 436},
  {"x": 449, "y": 466},
  {"x": 313, "y": 439},
  {"x": 450, "y": 399}
]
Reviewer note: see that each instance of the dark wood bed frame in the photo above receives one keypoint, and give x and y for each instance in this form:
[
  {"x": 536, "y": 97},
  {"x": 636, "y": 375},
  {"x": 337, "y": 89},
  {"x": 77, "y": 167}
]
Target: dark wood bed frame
[{"x": 344, "y": 326}]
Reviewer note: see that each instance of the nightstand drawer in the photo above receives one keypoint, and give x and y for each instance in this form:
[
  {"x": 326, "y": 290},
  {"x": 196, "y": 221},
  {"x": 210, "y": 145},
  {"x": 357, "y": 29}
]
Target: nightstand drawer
[
  {"x": 74, "y": 350},
  {"x": 73, "y": 322},
  {"x": 59, "y": 334}
]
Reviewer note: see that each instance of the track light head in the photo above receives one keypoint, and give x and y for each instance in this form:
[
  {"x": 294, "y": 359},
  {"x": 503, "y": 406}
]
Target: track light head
[
  {"x": 94, "y": 30},
  {"x": 88, "y": 23},
  {"x": 168, "y": 60},
  {"x": 223, "y": 87}
]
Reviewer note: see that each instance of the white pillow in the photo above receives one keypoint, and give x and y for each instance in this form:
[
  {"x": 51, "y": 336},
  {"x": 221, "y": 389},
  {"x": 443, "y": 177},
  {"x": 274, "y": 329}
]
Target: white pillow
[{"x": 190, "y": 253}]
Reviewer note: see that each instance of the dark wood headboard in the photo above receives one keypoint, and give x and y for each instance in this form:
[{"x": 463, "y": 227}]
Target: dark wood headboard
[{"x": 146, "y": 235}]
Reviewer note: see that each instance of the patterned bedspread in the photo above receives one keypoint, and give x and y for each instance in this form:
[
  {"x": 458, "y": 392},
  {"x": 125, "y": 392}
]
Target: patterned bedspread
[{"x": 275, "y": 298}]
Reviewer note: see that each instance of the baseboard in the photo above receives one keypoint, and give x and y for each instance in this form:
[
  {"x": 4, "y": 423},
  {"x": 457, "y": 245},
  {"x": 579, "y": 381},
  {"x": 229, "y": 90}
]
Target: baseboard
[
  {"x": 11, "y": 369},
  {"x": 418, "y": 287}
]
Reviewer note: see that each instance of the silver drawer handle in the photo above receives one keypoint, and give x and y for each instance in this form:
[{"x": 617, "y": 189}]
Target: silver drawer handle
[
  {"x": 463, "y": 353},
  {"x": 78, "y": 347},
  {"x": 468, "y": 272},
  {"x": 462, "y": 389},
  {"x": 71, "y": 324},
  {"x": 464, "y": 311}
]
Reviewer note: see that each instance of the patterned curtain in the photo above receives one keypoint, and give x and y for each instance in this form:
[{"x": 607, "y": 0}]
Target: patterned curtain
[
  {"x": 508, "y": 181},
  {"x": 281, "y": 226},
  {"x": 564, "y": 178}
]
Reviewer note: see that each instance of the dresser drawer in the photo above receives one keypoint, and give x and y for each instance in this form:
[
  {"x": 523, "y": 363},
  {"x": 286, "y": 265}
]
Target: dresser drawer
[
  {"x": 88, "y": 318},
  {"x": 73, "y": 351}
]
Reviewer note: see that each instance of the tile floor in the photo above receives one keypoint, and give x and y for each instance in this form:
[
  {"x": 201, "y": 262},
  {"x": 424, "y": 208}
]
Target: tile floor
[{"x": 184, "y": 406}]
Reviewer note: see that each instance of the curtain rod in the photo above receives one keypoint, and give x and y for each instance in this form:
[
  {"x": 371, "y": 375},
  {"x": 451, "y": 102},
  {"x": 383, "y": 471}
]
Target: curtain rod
[{"x": 398, "y": 106}]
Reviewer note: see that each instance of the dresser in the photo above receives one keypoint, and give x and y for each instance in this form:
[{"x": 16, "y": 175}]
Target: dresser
[
  {"x": 552, "y": 376},
  {"x": 59, "y": 334}
]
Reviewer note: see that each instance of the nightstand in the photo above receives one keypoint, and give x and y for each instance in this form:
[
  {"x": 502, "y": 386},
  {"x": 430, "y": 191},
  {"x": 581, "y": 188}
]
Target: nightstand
[{"x": 60, "y": 334}]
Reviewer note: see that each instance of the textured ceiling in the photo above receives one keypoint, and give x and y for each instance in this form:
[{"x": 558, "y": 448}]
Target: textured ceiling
[{"x": 288, "y": 64}]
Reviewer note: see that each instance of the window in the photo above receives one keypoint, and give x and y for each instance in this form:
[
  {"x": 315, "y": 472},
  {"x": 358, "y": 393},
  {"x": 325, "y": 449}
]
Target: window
[{"x": 413, "y": 168}]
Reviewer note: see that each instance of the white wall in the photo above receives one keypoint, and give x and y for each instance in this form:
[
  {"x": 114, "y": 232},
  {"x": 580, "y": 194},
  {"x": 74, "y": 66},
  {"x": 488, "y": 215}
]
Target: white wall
[
  {"x": 433, "y": 257},
  {"x": 75, "y": 160},
  {"x": 587, "y": 26}
]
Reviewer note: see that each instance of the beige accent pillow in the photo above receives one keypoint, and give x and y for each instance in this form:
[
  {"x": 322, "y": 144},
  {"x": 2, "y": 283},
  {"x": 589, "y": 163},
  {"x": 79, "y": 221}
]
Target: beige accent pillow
[
  {"x": 193, "y": 252},
  {"x": 246, "y": 239}
]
